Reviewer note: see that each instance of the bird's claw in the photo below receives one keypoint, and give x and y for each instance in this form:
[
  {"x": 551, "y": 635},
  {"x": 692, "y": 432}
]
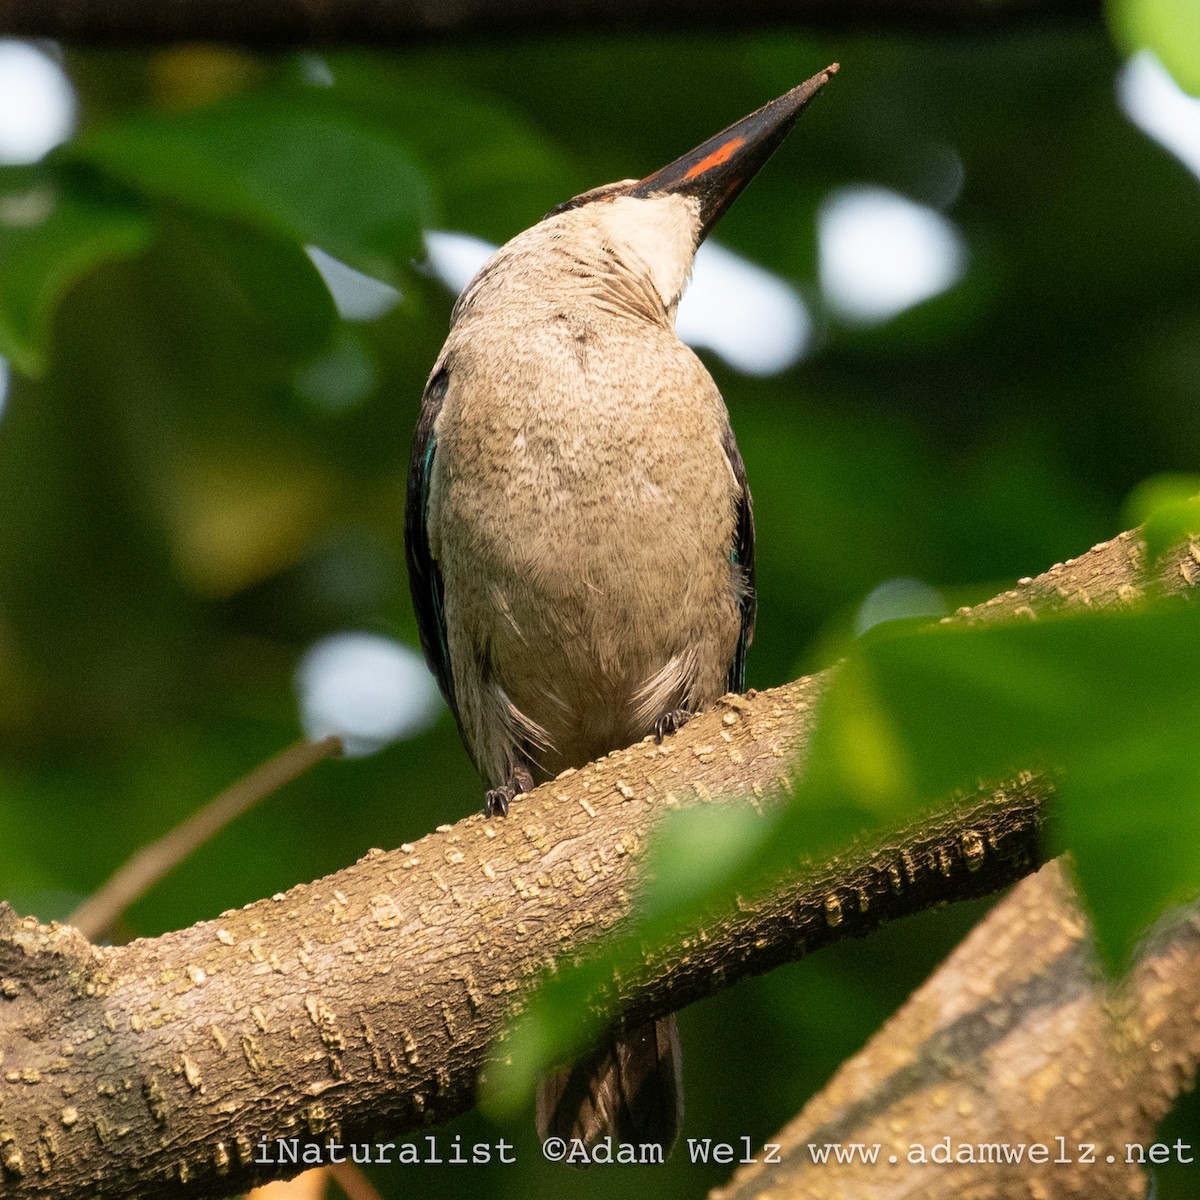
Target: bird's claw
[
  {"x": 671, "y": 722},
  {"x": 497, "y": 799}
]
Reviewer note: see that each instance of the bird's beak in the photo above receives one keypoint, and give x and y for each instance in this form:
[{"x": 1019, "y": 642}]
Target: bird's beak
[{"x": 717, "y": 170}]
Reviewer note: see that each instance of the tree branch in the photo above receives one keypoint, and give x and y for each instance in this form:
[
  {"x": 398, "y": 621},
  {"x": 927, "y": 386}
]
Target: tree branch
[
  {"x": 368, "y": 1000},
  {"x": 1018, "y": 1041},
  {"x": 274, "y": 23}
]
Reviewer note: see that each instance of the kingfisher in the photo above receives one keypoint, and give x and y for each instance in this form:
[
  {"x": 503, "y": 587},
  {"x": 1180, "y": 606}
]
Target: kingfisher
[{"x": 579, "y": 531}]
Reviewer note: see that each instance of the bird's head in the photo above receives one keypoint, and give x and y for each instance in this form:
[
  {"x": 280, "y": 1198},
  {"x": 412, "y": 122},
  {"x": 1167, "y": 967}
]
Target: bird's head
[
  {"x": 630, "y": 245},
  {"x": 656, "y": 224}
]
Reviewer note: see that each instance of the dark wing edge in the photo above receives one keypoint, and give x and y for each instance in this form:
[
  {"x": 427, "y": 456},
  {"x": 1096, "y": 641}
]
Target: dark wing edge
[
  {"x": 424, "y": 578},
  {"x": 741, "y": 556}
]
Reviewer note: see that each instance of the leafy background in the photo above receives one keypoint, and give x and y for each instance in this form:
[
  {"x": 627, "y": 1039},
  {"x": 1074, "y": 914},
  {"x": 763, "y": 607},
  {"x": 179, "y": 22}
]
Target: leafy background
[{"x": 202, "y": 467}]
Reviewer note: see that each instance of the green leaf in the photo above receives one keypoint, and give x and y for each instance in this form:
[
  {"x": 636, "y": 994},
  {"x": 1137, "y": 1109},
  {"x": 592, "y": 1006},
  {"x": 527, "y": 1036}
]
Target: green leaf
[
  {"x": 1171, "y": 28},
  {"x": 496, "y": 173},
  {"x": 1109, "y": 701},
  {"x": 270, "y": 285},
  {"x": 51, "y": 234},
  {"x": 696, "y": 853},
  {"x": 1168, "y": 506},
  {"x": 1130, "y": 814},
  {"x": 293, "y": 169}
]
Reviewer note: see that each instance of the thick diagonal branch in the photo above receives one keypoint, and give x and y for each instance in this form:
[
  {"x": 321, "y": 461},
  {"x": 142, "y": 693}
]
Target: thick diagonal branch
[
  {"x": 368, "y": 1000},
  {"x": 1019, "y": 1069}
]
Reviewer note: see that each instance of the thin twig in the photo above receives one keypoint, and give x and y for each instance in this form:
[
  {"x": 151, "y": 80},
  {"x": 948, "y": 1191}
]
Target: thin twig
[
  {"x": 353, "y": 1182},
  {"x": 137, "y": 875}
]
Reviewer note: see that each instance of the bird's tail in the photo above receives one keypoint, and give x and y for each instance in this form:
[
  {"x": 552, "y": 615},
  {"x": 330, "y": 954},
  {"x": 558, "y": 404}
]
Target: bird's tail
[{"x": 629, "y": 1089}]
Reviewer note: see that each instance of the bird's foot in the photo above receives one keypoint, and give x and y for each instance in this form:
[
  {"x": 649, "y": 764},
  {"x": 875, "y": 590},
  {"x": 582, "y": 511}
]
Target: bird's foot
[
  {"x": 497, "y": 799},
  {"x": 671, "y": 722}
]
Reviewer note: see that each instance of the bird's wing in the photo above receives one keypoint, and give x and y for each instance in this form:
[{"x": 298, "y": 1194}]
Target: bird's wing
[
  {"x": 424, "y": 578},
  {"x": 741, "y": 555}
]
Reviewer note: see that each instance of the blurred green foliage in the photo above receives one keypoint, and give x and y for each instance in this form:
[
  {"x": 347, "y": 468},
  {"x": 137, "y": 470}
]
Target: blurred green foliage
[
  {"x": 1107, "y": 702},
  {"x": 202, "y": 467},
  {"x": 1170, "y": 28}
]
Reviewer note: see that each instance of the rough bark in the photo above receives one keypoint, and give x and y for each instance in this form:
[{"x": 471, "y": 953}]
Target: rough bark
[
  {"x": 368, "y": 999},
  {"x": 1017, "y": 1045},
  {"x": 376, "y": 23}
]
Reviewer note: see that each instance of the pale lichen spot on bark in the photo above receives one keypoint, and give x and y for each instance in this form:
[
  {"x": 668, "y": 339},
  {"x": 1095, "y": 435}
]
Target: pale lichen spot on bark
[
  {"x": 10, "y": 1154},
  {"x": 106, "y": 1132},
  {"x": 191, "y": 1072},
  {"x": 411, "y": 1055},
  {"x": 324, "y": 1018},
  {"x": 384, "y": 911},
  {"x": 47, "y": 1149},
  {"x": 475, "y": 998},
  {"x": 252, "y": 1052},
  {"x": 972, "y": 848},
  {"x": 535, "y": 835}
]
